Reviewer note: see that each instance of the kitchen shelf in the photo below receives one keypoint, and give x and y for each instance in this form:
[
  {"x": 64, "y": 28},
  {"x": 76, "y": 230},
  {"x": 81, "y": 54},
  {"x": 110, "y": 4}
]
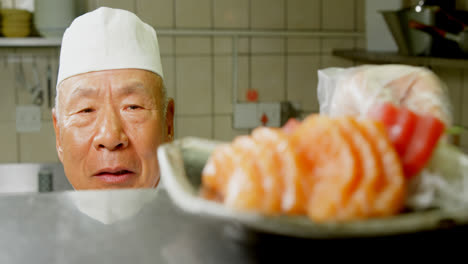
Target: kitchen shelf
[
  {"x": 29, "y": 42},
  {"x": 395, "y": 58}
]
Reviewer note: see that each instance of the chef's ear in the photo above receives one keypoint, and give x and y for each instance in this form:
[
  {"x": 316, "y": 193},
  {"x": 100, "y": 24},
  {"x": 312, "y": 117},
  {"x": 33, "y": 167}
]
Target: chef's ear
[
  {"x": 169, "y": 120},
  {"x": 58, "y": 143}
]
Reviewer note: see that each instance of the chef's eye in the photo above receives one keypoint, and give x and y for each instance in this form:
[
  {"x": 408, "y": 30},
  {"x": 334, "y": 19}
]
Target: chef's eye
[
  {"x": 86, "y": 110},
  {"x": 134, "y": 107}
]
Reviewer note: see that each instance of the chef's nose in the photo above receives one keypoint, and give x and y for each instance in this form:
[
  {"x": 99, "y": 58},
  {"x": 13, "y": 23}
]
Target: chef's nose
[{"x": 110, "y": 135}]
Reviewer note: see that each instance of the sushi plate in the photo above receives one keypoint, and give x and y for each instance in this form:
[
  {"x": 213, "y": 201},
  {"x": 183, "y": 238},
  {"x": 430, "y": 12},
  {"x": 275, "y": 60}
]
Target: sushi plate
[{"x": 181, "y": 164}]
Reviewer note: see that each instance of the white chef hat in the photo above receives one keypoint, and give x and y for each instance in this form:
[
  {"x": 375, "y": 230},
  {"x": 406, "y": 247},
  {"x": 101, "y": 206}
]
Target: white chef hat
[{"x": 107, "y": 39}]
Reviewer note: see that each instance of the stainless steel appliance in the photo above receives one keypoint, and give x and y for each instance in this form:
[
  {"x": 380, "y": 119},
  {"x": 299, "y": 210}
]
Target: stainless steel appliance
[{"x": 412, "y": 41}]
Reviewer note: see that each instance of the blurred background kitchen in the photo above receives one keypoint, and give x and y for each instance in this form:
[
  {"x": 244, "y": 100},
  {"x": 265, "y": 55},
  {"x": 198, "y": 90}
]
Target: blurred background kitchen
[{"x": 218, "y": 54}]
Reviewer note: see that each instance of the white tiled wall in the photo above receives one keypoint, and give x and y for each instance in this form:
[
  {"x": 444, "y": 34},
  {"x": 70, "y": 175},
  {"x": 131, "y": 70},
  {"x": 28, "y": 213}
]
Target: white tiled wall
[
  {"x": 303, "y": 14},
  {"x": 267, "y": 45},
  {"x": 268, "y": 77},
  {"x": 198, "y": 69},
  {"x": 303, "y": 45},
  {"x": 223, "y": 45},
  {"x": 193, "y": 14},
  {"x": 329, "y": 44},
  {"x": 300, "y": 80},
  {"x": 38, "y": 147},
  {"x": 231, "y": 14},
  {"x": 20, "y": 69},
  {"x": 222, "y": 128},
  {"x": 338, "y": 15},
  {"x": 122, "y": 4},
  {"x": 166, "y": 45},
  {"x": 194, "y": 89},
  {"x": 8, "y": 141},
  {"x": 193, "y": 46},
  {"x": 168, "y": 64},
  {"x": 194, "y": 126},
  {"x": 267, "y": 14},
  {"x": 8, "y": 93},
  {"x": 156, "y": 13}
]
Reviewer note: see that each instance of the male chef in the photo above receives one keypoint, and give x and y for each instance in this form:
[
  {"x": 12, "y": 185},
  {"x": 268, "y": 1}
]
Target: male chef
[{"x": 111, "y": 111}]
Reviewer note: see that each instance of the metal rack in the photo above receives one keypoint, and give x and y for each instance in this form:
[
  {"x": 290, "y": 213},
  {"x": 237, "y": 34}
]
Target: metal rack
[{"x": 30, "y": 42}]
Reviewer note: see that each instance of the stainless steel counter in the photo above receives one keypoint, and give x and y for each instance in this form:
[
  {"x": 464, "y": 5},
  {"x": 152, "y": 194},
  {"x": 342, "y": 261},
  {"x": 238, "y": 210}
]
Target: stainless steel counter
[
  {"x": 143, "y": 226},
  {"x": 129, "y": 226}
]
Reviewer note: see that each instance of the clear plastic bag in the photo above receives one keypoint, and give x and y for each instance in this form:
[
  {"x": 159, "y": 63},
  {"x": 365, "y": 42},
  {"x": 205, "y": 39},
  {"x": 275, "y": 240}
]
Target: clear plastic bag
[{"x": 354, "y": 91}]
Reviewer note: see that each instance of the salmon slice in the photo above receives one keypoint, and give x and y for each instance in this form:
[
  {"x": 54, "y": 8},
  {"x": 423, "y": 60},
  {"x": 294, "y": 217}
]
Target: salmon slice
[
  {"x": 351, "y": 134},
  {"x": 280, "y": 172},
  {"x": 360, "y": 194},
  {"x": 244, "y": 188},
  {"x": 329, "y": 166},
  {"x": 390, "y": 187},
  {"x": 330, "y": 169},
  {"x": 269, "y": 165},
  {"x": 216, "y": 173}
]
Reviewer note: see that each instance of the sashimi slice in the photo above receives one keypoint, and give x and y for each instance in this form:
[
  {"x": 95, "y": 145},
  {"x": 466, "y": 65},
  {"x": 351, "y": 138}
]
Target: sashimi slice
[{"x": 329, "y": 166}]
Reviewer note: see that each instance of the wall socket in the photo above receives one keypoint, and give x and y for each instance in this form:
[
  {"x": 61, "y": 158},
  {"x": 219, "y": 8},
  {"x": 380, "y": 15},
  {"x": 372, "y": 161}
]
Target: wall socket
[{"x": 271, "y": 114}]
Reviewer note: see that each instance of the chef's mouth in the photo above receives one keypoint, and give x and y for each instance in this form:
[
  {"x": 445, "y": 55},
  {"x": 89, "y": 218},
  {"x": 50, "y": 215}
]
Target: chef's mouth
[
  {"x": 114, "y": 173},
  {"x": 115, "y": 176}
]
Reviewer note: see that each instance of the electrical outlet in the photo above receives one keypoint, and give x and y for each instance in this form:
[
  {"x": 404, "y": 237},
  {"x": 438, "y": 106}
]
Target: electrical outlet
[
  {"x": 245, "y": 116},
  {"x": 271, "y": 114}
]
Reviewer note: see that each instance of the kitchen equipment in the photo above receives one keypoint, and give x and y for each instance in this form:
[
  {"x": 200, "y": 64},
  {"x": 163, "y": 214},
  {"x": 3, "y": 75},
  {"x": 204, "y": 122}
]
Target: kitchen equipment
[
  {"x": 393, "y": 21},
  {"x": 45, "y": 180},
  {"x": 410, "y": 41},
  {"x": 182, "y": 161},
  {"x": 16, "y": 23},
  {"x": 52, "y": 17},
  {"x": 414, "y": 42},
  {"x": 445, "y": 4},
  {"x": 378, "y": 37},
  {"x": 19, "y": 4},
  {"x": 461, "y": 38},
  {"x": 26, "y": 177},
  {"x": 35, "y": 89},
  {"x": 451, "y": 22},
  {"x": 420, "y": 43}
]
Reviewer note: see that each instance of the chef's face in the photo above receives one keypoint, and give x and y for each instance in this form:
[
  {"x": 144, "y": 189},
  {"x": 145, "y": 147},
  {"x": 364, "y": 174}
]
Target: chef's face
[{"x": 109, "y": 126}]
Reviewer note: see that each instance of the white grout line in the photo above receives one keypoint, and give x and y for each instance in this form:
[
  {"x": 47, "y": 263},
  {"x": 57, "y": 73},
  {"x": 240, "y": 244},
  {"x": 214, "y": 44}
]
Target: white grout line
[
  {"x": 235, "y": 71},
  {"x": 213, "y": 92},
  {"x": 285, "y": 53}
]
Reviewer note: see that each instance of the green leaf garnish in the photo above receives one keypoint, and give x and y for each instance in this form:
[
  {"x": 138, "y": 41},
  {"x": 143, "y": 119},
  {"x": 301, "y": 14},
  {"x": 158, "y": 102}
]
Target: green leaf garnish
[{"x": 455, "y": 130}]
